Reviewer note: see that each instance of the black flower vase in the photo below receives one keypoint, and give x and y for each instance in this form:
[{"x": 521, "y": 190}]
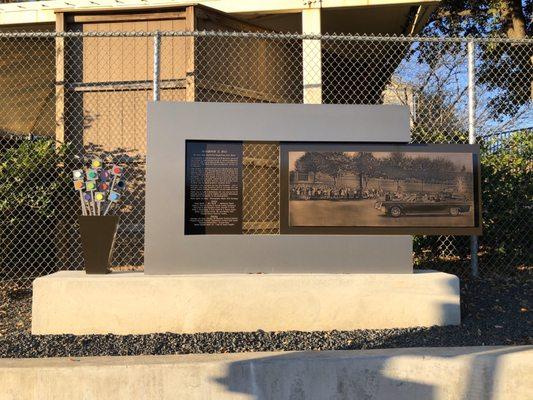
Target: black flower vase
[{"x": 97, "y": 239}]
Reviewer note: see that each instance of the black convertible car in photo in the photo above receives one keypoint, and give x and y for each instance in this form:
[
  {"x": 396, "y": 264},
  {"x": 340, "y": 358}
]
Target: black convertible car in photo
[{"x": 424, "y": 204}]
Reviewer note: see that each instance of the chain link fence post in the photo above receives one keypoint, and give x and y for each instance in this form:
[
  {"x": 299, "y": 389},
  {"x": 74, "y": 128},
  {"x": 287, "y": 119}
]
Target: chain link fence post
[
  {"x": 474, "y": 267},
  {"x": 312, "y": 57},
  {"x": 157, "y": 63}
]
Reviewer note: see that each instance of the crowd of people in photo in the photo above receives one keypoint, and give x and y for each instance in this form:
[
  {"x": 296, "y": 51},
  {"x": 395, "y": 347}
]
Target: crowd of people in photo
[{"x": 306, "y": 192}]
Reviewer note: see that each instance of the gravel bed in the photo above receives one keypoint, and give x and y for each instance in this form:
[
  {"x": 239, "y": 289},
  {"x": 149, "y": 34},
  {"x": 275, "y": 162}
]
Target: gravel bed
[{"x": 494, "y": 312}]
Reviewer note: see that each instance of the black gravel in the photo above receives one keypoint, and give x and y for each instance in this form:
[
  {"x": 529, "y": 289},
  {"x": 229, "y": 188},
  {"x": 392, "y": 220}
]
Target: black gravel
[{"x": 494, "y": 312}]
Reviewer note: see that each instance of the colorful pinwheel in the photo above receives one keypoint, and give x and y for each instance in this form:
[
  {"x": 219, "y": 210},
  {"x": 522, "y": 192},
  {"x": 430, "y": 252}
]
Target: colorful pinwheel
[{"x": 99, "y": 187}]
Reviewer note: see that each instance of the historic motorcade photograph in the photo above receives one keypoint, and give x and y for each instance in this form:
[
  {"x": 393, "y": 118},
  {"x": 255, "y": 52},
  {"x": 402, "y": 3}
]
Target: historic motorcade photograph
[{"x": 402, "y": 188}]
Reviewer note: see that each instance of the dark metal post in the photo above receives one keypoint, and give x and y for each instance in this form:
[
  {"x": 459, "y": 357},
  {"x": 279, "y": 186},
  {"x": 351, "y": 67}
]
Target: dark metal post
[{"x": 472, "y": 139}]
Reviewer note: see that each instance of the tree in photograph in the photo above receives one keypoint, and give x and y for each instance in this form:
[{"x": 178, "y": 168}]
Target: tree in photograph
[
  {"x": 310, "y": 162},
  {"x": 432, "y": 170},
  {"x": 422, "y": 170},
  {"x": 399, "y": 160},
  {"x": 395, "y": 167},
  {"x": 335, "y": 164},
  {"x": 442, "y": 170},
  {"x": 460, "y": 182},
  {"x": 365, "y": 164}
]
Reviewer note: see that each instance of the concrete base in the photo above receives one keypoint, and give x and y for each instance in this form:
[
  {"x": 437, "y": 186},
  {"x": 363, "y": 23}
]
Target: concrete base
[
  {"x": 471, "y": 373},
  {"x": 134, "y": 303}
]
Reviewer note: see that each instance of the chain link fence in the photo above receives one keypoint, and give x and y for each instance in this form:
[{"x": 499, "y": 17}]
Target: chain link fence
[{"x": 67, "y": 96}]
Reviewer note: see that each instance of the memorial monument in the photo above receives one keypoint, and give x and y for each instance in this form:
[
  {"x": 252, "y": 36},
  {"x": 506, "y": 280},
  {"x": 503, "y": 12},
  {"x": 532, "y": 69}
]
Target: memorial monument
[
  {"x": 282, "y": 217},
  {"x": 196, "y": 164}
]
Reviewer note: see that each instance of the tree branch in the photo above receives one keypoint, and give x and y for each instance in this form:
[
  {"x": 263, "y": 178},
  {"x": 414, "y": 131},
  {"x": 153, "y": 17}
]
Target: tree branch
[{"x": 513, "y": 17}]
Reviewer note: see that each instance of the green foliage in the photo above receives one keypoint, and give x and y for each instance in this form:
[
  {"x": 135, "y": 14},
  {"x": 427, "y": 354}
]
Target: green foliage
[
  {"x": 32, "y": 185},
  {"x": 30, "y": 178},
  {"x": 507, "y": 193}
]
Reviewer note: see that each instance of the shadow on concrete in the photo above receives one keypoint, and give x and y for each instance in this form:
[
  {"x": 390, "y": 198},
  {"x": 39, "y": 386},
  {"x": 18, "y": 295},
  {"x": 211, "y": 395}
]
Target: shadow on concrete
[{"x": 417, "y": 373}]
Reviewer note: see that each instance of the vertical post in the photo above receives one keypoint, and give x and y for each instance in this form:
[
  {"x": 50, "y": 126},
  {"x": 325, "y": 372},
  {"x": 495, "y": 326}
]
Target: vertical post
[
  {"x": 60, "y": 80},
  {"x": 472, "y": 138},
  {"x": 157, "y": 56},
  {"x": 61, "y": 236},
  {"x": 190, "y": 56},
  {"x": 312, "y": 56}
]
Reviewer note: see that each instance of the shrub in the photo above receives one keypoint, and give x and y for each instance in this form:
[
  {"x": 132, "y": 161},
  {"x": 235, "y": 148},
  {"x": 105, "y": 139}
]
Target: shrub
[
  {"x": 507, "y": 192},
  {"x": 32, "y": 186}
]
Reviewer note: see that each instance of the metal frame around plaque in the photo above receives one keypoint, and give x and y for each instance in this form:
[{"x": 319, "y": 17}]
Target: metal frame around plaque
[{"x": 286, "y": 228}]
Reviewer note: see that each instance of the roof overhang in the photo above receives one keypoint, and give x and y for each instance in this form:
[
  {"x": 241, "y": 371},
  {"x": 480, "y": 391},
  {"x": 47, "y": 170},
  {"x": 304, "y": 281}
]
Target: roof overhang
[
  {"x": 43, "y": 12},
  {"x": 399, "y": 19}
]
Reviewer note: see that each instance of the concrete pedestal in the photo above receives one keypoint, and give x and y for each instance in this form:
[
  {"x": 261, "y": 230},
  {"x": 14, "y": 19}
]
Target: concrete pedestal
[{"x": 134, "y": 303}]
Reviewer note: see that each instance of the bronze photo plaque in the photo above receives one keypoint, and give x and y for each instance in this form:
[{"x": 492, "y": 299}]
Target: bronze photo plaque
[
  {"x": 380, "y": 189},
  {"x": 333, "y": 188}
]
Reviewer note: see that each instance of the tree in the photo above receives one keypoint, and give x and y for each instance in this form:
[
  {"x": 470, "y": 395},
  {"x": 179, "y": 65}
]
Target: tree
[
  {"x": 421, "y": 169},
  {"x": 365, "y": 164},
  {"x": 504, "y": 68},
  {"x": 437, "y": 120},
  {"x": 395, "y": 165},
  {"x": 510, "y": 18},
  {"x": 335, "y": 164},
  {"x": 310, "y": 162},
  {"x": 432, "y": 170}
]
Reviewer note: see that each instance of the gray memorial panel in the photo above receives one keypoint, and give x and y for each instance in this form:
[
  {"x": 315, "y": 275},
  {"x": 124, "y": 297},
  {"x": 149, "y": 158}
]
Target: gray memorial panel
[{"x": 168, "y": 250}]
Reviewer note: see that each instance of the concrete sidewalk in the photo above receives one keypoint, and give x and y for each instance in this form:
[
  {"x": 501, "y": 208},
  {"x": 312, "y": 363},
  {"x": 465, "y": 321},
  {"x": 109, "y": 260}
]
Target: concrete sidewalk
[{"x": 417, "y": 373}]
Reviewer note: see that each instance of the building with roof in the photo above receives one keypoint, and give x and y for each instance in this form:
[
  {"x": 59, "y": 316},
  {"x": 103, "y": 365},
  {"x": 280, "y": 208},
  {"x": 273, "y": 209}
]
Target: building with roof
[
  {"x": 303, "y": 16},
  {"x": 49, "y": 86}
]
